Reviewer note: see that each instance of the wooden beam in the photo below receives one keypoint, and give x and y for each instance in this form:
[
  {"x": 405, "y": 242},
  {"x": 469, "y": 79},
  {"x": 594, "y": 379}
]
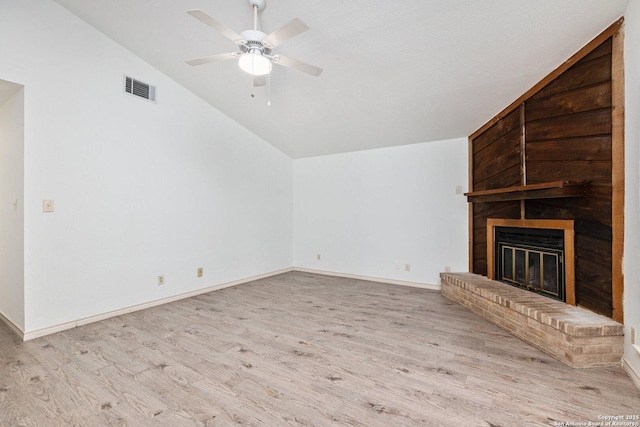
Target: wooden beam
[
  {"x": 470, "y": 161},
  {"x": 523, "y": 158},
  {"x": 545, "y": 190},
  {"x": 617, "y": 173}
]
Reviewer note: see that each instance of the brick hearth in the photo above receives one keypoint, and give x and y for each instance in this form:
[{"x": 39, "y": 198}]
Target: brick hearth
[{"x": 573, "y": 335}]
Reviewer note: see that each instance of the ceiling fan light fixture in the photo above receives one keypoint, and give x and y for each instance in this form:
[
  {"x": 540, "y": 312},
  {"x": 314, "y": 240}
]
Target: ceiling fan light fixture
[
  {"x": 255, "y": 63},
  {"x": 255, "y": 56}
]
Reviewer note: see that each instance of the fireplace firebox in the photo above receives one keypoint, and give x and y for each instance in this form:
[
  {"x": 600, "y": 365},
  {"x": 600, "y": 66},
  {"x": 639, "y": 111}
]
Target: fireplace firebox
[
  {"x": 534, "y": 254},
  {"x": 531, "y": 258}
]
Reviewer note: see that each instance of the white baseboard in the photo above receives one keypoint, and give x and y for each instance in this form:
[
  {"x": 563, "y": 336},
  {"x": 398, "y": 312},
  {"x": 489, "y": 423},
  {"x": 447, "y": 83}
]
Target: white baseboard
[
  {"x": 14, "y": 328},
  {"x": 26, "y": 336},
  {"x": 96, "y": 318},
  {"x": 371, "y": 279},
  {"x": 632, "y": 374}
]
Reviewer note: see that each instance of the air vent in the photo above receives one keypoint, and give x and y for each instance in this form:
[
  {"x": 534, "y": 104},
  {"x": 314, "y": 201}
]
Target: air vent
[{"x": 138, "y": 88}]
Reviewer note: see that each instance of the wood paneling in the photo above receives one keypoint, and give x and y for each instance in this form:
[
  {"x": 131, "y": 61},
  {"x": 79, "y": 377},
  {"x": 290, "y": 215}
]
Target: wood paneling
[
  {"x": 500, "y": 178},
  {"x": 596, "y": 172},
  {"x": 575, "y": 101},
  {"x": 583, "y": 74},
  {"x": 617, "y": 173},
  {"x": 496, "y": 155},
  {"x": 601, "y": 253},
  {"x": 582, "y": 148},
  {"x": 503, "y": 154},
  {"x": 483, "y": 211},
  {"x": 494, "y": 133},
  {"x": 569, "y": 134},
  {"x": 589, "y": 123},
  {"x": 569, "y": 209}
]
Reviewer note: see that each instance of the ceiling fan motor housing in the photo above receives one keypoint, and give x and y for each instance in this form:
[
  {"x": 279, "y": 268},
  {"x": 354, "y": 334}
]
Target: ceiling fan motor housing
[{"x": 253, "y": 40}]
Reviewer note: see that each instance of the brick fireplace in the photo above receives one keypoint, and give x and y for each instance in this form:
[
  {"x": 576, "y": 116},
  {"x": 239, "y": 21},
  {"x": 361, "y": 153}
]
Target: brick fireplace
[
  {"x": 556, "y": 154},
  {"x": 553, "y": 159},
  {"x": 573, "y": 335}
]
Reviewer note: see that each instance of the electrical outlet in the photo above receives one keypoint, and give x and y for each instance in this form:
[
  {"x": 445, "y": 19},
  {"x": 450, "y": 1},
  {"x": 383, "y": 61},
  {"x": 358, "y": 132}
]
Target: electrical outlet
[
  {"x": 458, "y": 189},
  {"x": 47, "y": 206},
  {"x": 397, "y": 266},
  {"x": 633, "y": 335},
  {"x": 407, "y": 267},
  {"x": 318, "y": 257},
  {"x": 200, "y": 272},
  {"x": 447, "y": 269},
  {"x": 161, "y": 279}
]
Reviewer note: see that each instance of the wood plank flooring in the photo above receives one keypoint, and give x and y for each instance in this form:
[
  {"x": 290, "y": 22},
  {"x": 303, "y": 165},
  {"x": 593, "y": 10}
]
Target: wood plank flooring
[{"x": 299, "y": 350}]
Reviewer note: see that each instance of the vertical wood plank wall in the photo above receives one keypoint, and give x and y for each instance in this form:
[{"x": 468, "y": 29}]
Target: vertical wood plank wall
[
  {"x": 562, "y": 130},
  {"x": 495, "y": 164}
]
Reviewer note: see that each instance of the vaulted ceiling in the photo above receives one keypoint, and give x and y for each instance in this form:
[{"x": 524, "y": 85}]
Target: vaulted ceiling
[{"x": 395, "y": 73}]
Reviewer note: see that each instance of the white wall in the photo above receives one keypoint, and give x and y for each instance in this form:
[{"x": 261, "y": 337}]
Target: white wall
[
  {"x": 632, "y": 182},
  {"x": 140, "y": 189},
  {"x": 11, "y": 207},
  {"x": 365, "y": 211}
]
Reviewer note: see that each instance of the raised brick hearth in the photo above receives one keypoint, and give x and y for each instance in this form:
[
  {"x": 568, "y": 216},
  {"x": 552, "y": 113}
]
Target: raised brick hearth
[{"x": 575, "y": 336}]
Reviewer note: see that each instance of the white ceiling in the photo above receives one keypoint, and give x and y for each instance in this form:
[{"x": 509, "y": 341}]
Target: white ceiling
[{"x": 395, "y": 72}]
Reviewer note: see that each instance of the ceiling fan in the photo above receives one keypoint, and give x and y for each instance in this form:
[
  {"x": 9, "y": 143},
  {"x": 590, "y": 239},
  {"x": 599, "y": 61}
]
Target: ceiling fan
[{"x": 255, "y": 46}]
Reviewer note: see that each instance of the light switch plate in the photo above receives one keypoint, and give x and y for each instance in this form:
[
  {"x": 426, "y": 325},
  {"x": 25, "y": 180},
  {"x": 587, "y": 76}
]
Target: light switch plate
[{"x": 47, "y": 206}]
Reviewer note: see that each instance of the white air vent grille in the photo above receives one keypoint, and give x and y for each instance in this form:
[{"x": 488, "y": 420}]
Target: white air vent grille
[{"x": 138, "y": 88}]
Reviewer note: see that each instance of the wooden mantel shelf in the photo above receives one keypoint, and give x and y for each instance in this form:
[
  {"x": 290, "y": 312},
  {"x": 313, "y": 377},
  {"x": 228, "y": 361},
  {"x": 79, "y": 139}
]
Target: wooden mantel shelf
[{"x": 545, "y": 190}]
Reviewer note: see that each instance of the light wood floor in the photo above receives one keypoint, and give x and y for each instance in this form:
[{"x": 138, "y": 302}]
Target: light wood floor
[{"x": 299, "y": 350}]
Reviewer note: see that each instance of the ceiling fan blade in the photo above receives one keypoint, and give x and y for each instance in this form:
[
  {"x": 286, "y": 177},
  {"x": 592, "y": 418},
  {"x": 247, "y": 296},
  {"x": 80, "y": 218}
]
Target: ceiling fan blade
[
  {"x": 285, "y": 61},
  {"x": 286, "y": 32},
  {"x": 223, "y": 29},
  {"x": 259, "y": 81},
  {"x": 213, "y": 58}
]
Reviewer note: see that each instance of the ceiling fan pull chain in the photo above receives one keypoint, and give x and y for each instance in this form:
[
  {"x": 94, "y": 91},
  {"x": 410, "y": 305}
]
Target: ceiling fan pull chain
[{"x": 269, "y": 90}]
